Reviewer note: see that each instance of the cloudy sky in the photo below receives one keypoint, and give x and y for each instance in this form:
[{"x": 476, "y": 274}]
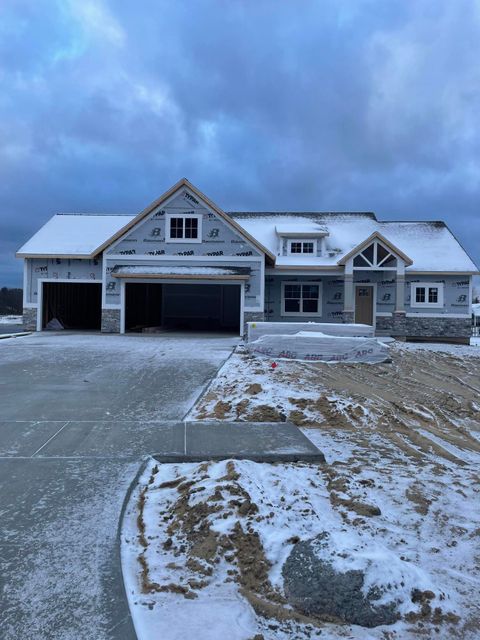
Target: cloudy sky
[{"x": 282, "y": 105}]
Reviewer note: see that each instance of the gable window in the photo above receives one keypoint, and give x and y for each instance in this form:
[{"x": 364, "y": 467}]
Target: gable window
[
  {"x": 182, "y": 227},
  {"x": 375, "y": 256},
  {"x": 426, "y": 294},
  {"x": 301, "y": 299},
  {"x": 308, "y": 247}
]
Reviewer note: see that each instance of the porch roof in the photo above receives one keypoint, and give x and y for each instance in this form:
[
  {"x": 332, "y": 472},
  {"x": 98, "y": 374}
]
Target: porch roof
[{"x": 181, "y": 273}]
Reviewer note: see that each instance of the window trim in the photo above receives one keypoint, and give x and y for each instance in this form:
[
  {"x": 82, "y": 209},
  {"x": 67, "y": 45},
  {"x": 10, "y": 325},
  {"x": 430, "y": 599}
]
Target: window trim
[
  {"x": 185, "y": 216},
  {"x": 301, "y": 314},
  {"x": 314, "y": 241},
  {"x": 426, "y": 285}
]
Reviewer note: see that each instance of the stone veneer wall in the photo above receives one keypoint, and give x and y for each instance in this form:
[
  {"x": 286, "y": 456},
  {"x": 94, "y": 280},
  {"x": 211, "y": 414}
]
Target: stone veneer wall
[
  {"x": 30, "y": 319},
  {"x": 110, "y": 320},
  {"x": 251, "y": 316},
  {"x": 410, "y": 327},
  {"x": 384, "y": 323},
  {"x": 438, "y": 327}
]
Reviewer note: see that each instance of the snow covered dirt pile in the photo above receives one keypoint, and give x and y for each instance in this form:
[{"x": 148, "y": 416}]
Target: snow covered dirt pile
[
  {"x": 351, "y": 579},
  {"x": 11, "y": 319},
  {"x": 309, "y": 346},
  {"x": 425, "y": 401},
  {"x": 216, "y": 550}
]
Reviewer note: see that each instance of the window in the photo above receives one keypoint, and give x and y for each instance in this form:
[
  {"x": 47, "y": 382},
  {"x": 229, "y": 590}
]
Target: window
[
  {"x": 184, "y": 227},
  {"x": 427, "y": 294},
  {"x": 308, "y": 247},
  {"x": 375, "y": 256},
  {"x": 301, "y": 299}
]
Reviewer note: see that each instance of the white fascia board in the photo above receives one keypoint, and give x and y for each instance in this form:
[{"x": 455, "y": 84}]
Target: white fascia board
[
  {"x": 178, "y": 281},
  {"x": 409, "y": 271},
  {"x": 271, "y": 271}
]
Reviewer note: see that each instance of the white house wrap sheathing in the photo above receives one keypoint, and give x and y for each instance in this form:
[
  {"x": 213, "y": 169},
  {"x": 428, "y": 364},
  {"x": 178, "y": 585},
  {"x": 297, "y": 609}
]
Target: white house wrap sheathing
[
  {"x": 259, "y": 329},
  {"x": 318, "y": 347}
]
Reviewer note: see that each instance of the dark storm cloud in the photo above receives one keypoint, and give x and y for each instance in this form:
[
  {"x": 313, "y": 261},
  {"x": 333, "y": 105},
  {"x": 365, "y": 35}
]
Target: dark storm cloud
[{"x": 361, "y": 105}]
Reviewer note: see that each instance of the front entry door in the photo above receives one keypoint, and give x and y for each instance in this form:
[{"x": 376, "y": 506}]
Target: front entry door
[{"x": 364, "y": 304}]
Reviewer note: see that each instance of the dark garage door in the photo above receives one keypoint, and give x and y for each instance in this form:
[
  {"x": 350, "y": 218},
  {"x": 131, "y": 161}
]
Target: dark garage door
[
  {"x": 76, "y": 305},
  {"x": 203, "y": 307}
]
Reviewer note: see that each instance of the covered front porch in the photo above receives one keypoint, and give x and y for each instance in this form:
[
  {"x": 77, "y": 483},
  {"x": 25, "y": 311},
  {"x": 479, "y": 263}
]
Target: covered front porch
[{"x": 374, "y": 286}]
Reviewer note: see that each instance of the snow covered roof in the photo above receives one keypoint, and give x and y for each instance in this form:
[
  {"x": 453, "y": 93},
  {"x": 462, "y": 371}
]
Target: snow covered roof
[
  {"x": 208, "y": 273},
  {"x": 300, "y": 230},
  {"x": 430, "y": 245},
  {"x": 73, "y": 234}
]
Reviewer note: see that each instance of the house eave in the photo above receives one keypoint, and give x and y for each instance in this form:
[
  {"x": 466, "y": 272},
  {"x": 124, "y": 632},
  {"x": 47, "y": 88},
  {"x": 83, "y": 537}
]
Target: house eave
[
  {"x": 412, "y": 272},
  {"x": 64, "y": 256},
  {"x": 176, "y": 276}
]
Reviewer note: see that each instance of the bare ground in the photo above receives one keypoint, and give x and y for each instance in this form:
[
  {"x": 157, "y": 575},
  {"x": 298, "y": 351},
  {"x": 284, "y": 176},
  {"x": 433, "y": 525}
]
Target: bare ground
[{"x": 422, "y": 402}]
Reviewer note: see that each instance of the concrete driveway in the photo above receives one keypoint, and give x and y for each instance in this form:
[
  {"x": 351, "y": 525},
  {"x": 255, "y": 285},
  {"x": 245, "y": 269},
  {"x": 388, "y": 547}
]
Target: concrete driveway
[{"x": 78, "y": 414}]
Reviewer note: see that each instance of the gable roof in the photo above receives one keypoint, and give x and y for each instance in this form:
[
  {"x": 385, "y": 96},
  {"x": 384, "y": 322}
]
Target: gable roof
[
  {"x": 376, "y": 236},
  {"x": 184, "y": 183},
  {"x": 79, "y": 235},
  {"x": 68, "y": 235},
  {"x": 431, "y": 246}
]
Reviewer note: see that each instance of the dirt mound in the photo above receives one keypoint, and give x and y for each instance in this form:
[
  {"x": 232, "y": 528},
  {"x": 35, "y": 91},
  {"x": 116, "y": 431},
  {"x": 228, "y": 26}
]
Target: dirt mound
[{"x": 425, "y": 402}]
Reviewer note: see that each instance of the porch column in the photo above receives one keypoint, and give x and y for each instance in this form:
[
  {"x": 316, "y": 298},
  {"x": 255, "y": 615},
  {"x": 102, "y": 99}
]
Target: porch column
[
  {"x": 400, "y": 294},
  {"x": 399, "y": 320},
  {"x": 348, "y": 299}
]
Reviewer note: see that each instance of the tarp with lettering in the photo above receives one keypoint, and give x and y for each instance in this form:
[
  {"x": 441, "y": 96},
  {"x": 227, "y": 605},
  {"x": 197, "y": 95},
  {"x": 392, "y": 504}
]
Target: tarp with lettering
[
  {"x": 309, "y": 346},
  {"x": 258, "y": 329}
]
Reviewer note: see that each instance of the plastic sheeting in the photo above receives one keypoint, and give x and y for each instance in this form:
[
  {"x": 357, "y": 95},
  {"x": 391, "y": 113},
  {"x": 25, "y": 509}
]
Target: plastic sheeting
[
  {"x": 54, "y": 325},
  {"x": 309, "y": 346},
  {"x": 259, "y": 329}
]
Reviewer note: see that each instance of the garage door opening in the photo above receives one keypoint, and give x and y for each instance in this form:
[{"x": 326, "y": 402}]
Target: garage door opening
[
  {"x": 76, "y": 305},
  {"x": 184, "y": 307}
]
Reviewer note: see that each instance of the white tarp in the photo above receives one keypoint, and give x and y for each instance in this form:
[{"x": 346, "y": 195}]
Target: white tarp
[
  {"x": 259, "y": 329},
  {"x": 318, "y": 347}
]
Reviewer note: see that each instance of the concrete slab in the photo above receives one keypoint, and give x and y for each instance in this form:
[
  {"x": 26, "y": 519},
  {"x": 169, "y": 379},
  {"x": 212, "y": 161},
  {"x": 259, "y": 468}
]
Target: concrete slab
[
  {"x": 60, "y": 576},
  {"x": 10, "y": 329},
  {"x": 105, "y": 377},
  {"x": 116, "y": 439},
  {"x": 88, "y": 408},
  {"x": 259, "y": 441},
  {"x": 19, "y": 439}
]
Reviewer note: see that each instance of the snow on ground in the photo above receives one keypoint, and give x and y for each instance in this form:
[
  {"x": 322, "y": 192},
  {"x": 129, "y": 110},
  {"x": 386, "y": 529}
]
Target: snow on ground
[
  {"x": 402, "y": 444},
  {"x": 203, "y": 544},
  {"x": 425, "y": 400},
  {"x": 11, "y": 319}
]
